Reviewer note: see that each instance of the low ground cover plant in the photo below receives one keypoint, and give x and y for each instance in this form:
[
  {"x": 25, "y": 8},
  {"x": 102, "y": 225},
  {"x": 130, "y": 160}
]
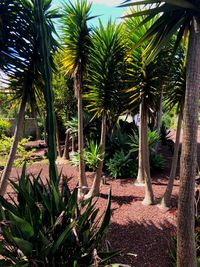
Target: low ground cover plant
[{"x": 47, "y": 227}]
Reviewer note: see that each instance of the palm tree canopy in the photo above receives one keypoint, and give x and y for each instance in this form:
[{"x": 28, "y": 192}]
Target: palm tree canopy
[
  {"x": 76, "y": 34},
  {"x": 147, "y": 80},
  {"x": 175, "y": 93},
  {"x": 106, "y": 68},
  {"x": 175, "y": 16}
]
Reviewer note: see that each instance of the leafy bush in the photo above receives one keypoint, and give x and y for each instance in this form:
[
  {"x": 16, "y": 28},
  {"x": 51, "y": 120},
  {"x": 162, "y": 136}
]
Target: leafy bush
[
  {"x": 22, "y": 154},
  {"x": 121, "y": 165},
  {"x": 4, "y": 126},
  {"x": 157, "y": 162},
  {"x": 92, "y": 156},
  {"x": 164, "y": 133},
  {"x": 46, "y": 226},
  {"x": 153, "y": 139},
  {"x": 116, "y": 142}
]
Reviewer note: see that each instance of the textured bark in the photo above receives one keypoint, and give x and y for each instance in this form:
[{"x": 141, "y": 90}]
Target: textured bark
[
  {"x": 166, "y": 199},
  {"x": 73, "y": 144},
  {"x": 18, "y": 130},
  {"x": 141, "y": 168},
  {"x": 78, "y": 90},
  {"x": 58, "y": 141},
  {"x": 95, "y": 189},
  {"x": 66, "y": 148},
  {"x": 37, "y": 129},
  {"x": 186, "y": 250},
  {"x": 159, "y": 118},
  {"x": 149, "y": 197}
]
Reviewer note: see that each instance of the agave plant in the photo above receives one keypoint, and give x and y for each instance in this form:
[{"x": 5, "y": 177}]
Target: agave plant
[{"x": 46, "y": 226}]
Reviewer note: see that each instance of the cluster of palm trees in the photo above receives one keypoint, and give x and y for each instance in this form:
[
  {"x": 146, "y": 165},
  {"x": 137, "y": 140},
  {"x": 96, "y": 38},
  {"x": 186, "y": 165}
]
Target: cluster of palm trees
[{"x": 115, "y": 68}]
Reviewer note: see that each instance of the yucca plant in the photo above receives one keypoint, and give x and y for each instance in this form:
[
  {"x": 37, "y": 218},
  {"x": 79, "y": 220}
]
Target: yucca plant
[
  {"x": 179, "y": 17},
  {"x": 144, "y": 92},
  {"x": 30, "y": 76},
  {"x": 175, "y": 97},
  {"x": 106, "y": 70},
  {"x": 76, "y": 39},
  {"x": 46, "y": 227}
]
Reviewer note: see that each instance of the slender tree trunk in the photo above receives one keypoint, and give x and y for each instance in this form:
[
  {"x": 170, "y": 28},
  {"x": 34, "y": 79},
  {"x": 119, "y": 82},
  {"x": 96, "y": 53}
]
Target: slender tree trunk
[
  {"x": 66, "y": 148},
  {"x": 37, "y": 130},
  {"x": 78, "y": 85},
  {"x": 58, "y": 140},
  {"x": 73, "y": 144},
  {"x": 149, "y": 197},
  {"x": 159, "y": 118},
  {"x": 18, "y": 129},
  {"x": 186, "y": 249},
  {"x": 97, "y": 181},
  {"x": 166, "y": 199},
  {"x": 141, "y": 174}
]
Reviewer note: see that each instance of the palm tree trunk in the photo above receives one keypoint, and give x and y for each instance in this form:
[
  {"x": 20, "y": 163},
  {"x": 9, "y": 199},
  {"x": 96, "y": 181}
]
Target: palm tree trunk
[
  {"x": 18, "y": 129},
  {"x": 149, "y": 197},
  {"x": 66, "y": 148},
  {"x": 58, "y": 140},
  {"x": 73, "y": 144},
  {"x": 140, "y": 177},
  {"x": 37, "y": 130},
  {"x": 159, "y": 118},
  {"x": 78, "y": 88},
  {"x": 97, "y": 181},
  {"x": 166, "y": 199},
  {"x": 186, "y": 249}
]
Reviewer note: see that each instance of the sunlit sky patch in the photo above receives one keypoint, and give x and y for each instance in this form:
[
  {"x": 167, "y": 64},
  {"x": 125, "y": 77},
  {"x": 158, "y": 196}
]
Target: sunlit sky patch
[{"x": 105, "y": 9}]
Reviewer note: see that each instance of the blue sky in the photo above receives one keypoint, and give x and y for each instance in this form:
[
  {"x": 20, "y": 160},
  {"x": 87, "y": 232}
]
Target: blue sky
[{"x": 105, "y": 8}]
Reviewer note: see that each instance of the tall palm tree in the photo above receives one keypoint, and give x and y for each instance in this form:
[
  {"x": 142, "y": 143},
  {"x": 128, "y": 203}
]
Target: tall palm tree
[
  {"x": 65, "y": 101},
  {"x": 180, "y": 17},
  {"x": 17, "y": 54},
  {"x": 76, "y": 39},
  {"x": 106, "y": 69},
  {"x": 145, "y": 92},
  {"x": 28, "y": 46},
  {"x": 175, "y": 96}
]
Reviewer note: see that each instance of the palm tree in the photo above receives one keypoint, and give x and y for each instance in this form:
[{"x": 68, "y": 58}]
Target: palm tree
[
  {"x": 76, "y": 38},
  {"x": 180, "y": 17},
  {"x": 106, "y": 68},
  {"x": 146, "y": 83},
  {"x": 17, "y": 62},
  {"x": 175, "y": 96},
  {"x": 29, "y": 76},
  {"x": 65, "y": 101}
]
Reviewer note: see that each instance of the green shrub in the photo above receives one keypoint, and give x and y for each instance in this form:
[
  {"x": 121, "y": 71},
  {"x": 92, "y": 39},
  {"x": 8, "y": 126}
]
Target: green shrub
[
  {"x": 157, "y": 162},
  {"x": 153, "y": 139},
  {"x": 4, "y": 126},
  {"x": 22, "y": 154},
  {"x": 92, "y": 156},
  {"x": 46, "y": 226},
  {"x": 122, "y": 165}
]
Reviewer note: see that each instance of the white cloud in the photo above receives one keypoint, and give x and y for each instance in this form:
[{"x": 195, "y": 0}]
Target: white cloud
[{"x": 108, "y": 2}]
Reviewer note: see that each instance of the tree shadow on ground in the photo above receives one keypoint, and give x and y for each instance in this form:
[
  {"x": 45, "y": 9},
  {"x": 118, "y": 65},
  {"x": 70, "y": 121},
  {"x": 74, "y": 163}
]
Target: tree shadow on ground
[
  {"x": 142, "y": 244},
  {"x": 122, "y": 200}
]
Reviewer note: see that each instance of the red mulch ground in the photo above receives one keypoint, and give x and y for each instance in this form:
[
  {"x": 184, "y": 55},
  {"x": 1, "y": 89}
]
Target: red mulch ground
[{"x": 141, "y": 231}]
